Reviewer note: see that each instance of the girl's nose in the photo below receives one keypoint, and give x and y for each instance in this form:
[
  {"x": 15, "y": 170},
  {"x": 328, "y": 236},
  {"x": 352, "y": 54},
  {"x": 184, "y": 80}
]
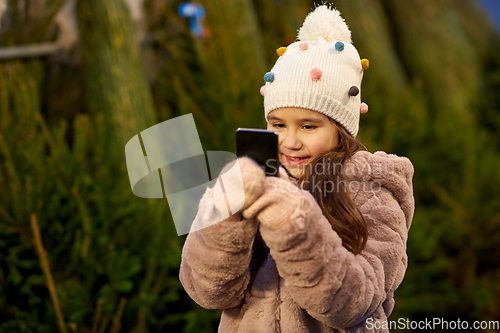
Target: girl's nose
[{"x": 291, "y": 141}]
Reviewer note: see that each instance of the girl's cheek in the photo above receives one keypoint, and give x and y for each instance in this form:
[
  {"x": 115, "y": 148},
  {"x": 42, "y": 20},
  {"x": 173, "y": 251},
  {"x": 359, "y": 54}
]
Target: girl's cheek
[
  {"x": 316, "y": 148},
  {"x": 280, "y": 141},
  {"x": 321, "y": 143}
]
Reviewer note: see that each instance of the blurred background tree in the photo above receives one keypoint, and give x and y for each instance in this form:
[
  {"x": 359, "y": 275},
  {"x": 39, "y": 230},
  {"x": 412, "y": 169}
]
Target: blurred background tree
[{"x": 113, "y": 258}]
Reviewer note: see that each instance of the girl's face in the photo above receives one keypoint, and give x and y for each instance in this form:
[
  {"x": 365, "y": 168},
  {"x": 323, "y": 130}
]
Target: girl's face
[{"x": 303, "y": 135}]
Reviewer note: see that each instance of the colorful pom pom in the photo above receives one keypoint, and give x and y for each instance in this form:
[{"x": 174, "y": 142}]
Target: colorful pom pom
[
  {"x": 316, "y": 74},
  {"x": 339, "y": 46},
  {"x": 353, "y": 91},
  {"x": 304, "y": 46},
  {"x": 269, "y": 77},
  {"x": 281, "y": 50},
  {"x": 365, "y": 63},
  {"x": 262, "y": 90},
  {"x": 363, "y": 108}
]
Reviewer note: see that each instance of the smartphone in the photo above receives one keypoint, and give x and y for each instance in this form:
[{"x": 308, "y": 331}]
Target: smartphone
[{"x": 261, "y": 146}]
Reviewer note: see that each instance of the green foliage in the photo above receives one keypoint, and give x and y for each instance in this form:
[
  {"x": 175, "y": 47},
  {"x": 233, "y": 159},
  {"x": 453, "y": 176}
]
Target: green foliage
[
  {"x": 103, "y": 243},
  {"x": 113, "y": 77},
  {"x": 216, "y": 78},
  {"x": 28, "y": 22}
]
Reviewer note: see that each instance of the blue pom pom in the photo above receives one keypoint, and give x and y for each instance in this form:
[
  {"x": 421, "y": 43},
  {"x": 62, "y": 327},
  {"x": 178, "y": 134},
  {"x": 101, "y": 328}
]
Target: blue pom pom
[
  {"x": 339, "y": 46},
  {"x": 269, "y": 77}
]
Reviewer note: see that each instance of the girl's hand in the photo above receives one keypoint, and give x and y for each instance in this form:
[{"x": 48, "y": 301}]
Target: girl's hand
[
  {"x": 243, "y": 182},
  {"x": 242, "y": 185},
  {"x": 276, "y": 206}
]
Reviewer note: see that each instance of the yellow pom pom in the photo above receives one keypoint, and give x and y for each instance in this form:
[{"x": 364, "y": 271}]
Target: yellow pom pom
[
  {"x": 281, "y": 50},
  {"x": 365, "y": 63}
]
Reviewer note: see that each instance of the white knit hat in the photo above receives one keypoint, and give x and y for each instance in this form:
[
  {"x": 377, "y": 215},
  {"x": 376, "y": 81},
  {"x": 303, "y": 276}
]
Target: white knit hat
[{"x": 321, "y": 72}]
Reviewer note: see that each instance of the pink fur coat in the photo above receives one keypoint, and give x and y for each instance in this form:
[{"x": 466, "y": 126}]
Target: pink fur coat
[{"x": 308, "y": 282}]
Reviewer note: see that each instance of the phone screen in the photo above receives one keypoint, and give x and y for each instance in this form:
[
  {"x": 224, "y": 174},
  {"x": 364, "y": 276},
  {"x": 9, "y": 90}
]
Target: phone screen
[{"x": 261, "y": 146}]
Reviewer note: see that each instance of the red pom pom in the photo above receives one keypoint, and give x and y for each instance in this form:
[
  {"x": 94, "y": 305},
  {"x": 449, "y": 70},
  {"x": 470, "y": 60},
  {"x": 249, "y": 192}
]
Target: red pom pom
[
  {"x": 316, "y": 74},
  {"x": 363, "y": 108}
]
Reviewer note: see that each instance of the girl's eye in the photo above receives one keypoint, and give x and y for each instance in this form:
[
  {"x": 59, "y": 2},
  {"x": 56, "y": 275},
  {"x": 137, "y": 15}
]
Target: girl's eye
[
  {"x": 278, "y": 125},
  {"x": 309, "y": 127}
]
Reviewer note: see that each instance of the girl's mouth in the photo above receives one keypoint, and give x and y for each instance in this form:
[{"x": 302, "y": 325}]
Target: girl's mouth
[{"x": 296, "y": 160}]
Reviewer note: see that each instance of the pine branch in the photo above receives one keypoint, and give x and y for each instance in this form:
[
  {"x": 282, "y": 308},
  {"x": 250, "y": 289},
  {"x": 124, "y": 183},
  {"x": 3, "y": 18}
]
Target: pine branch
[
  {"x": 48, "y": 275},
  {"x": 118, "y": 315},
  {"x": 97, "y": 316}
]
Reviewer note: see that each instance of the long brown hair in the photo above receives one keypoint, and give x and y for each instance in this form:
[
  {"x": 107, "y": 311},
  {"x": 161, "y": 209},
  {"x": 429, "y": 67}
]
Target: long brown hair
[{"x": 322, "y": 179}]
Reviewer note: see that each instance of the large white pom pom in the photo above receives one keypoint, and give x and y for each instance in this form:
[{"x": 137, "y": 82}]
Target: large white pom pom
[{"x": 327, "y": 23}]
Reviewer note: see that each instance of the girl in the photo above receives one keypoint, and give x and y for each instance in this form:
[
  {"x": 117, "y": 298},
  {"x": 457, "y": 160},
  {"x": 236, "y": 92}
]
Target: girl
[{"x": 323, "y": 247}]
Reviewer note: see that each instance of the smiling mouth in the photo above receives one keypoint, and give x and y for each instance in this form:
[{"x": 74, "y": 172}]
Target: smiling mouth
[{"x": 296, "y": 160}]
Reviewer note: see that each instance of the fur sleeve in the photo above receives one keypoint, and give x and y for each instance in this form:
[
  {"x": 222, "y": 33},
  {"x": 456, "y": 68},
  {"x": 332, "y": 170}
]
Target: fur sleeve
[
  {"x": 215, "y": 262},
  {"x": 333, "y": 285}
]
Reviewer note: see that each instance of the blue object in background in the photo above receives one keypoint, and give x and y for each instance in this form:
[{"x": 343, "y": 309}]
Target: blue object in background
[
  {"x": 195, "y": 13},
  {"x": 493, "y": 9}
]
